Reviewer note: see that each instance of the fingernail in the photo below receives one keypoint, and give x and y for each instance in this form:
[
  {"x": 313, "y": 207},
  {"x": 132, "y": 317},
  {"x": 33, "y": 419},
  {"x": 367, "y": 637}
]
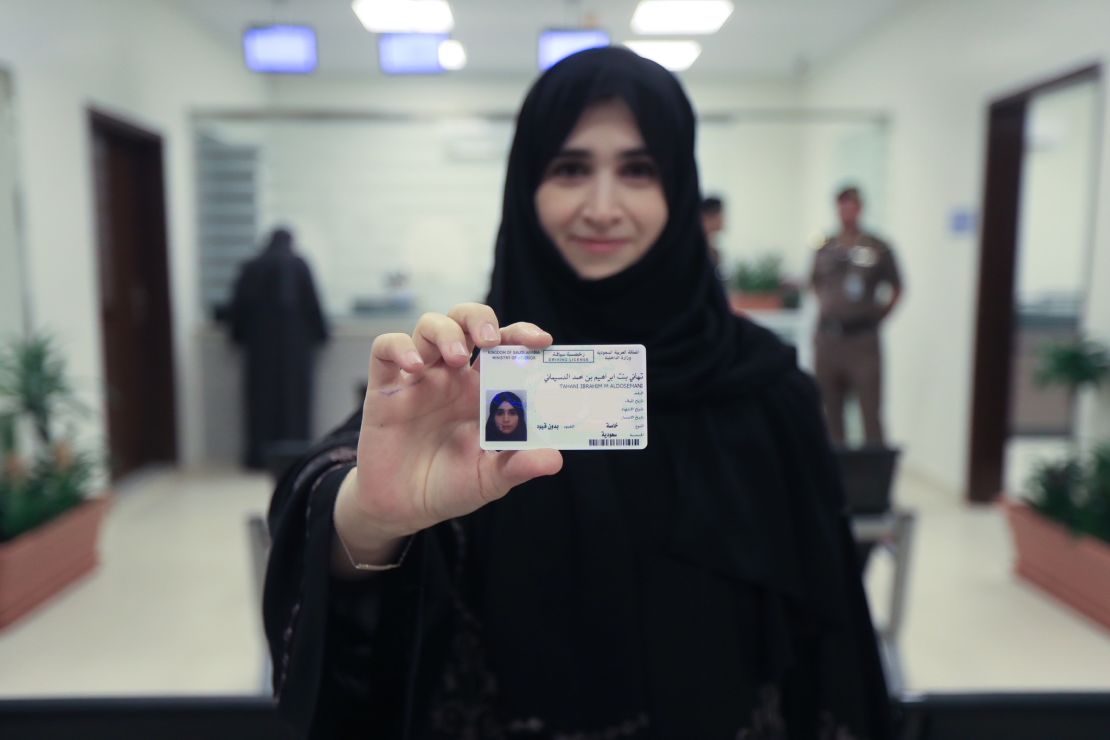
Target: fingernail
[
  {"x": 459, "y": 350},
  {"x": 412, "y": 357},
  {"x": 536, "y": 333},
  {"x": 489, "y": 333}
]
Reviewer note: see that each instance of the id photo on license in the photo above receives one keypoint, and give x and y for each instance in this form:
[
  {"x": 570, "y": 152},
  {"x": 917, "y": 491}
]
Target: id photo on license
[{"x": 505, "y": 420}]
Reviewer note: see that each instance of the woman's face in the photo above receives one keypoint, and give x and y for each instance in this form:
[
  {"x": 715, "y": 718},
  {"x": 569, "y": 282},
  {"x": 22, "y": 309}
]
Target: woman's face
[
  {"x": 601, "y": 200},
  {"x": 506, "y": 417}
]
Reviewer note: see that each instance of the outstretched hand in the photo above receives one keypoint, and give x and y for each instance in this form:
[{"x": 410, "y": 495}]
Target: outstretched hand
[{"x": 419, "y": 459}]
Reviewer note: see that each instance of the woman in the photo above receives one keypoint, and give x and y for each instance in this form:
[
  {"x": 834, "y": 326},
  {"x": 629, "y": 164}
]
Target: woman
[
  {"x": 700, "y": 588},
  {"x": 505, "y": 421}
]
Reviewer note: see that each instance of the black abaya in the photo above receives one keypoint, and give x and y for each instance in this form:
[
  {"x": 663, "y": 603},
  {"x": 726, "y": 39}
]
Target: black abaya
[
  {"x": 701, "y": 588},
  {"x": 276, "y": 317}
]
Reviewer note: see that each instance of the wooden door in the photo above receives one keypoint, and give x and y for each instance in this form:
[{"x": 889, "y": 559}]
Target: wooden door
[{"x": 134, "y": 295}]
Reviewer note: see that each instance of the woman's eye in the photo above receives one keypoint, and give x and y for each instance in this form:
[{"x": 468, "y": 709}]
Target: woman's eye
[
  {"x": 641, "y": 170},
  {"x": 568, "y": 168}
]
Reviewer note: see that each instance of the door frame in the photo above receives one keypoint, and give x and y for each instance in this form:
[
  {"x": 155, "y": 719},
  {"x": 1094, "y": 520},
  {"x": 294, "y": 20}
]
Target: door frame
[
  {"x": 111, "y": 125},
  {"x": 998, "y": 258}
]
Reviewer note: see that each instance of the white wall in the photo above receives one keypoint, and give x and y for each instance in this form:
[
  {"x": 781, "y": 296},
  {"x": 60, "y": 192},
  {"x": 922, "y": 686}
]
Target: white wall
[
  {"x": 935, "y": 67},
  {"x": 148, "y": 63}
]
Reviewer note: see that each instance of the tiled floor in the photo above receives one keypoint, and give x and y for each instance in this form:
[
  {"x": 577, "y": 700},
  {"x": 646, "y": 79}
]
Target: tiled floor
[
  {"x": 971, "y": 624},
  {"x": 173, "y": 607}
]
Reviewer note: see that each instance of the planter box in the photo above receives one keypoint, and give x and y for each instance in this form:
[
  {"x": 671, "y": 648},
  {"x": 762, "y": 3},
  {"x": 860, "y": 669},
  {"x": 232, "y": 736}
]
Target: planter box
[
  {"x": 741, "y": 302},
  {"x": 40, "y": 563},
  {"x": 1075, "y": 570}
]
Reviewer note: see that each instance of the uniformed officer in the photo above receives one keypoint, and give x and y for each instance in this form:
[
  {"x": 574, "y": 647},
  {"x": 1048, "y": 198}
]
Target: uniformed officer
[{"x": 857, "y": 284}]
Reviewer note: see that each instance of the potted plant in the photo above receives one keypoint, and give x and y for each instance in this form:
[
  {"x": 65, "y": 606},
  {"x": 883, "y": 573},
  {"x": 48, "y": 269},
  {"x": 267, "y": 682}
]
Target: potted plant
[
  {"x": 1074, "y": 365},
  {"x": 757, "y": 285},
  {"x": 1062, "y": 533},
  {"x": 48, "y": 523}
]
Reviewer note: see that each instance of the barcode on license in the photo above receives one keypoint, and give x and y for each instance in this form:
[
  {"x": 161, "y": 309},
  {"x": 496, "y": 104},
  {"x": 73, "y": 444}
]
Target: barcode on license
[{"x": 614, "y": 442}]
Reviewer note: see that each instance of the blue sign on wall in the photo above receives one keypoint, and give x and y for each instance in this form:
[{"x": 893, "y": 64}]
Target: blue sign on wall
[{"x": 962, "y": 222}]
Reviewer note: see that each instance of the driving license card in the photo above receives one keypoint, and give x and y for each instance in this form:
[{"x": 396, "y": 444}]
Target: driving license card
[{"x": 565, "y": 397}]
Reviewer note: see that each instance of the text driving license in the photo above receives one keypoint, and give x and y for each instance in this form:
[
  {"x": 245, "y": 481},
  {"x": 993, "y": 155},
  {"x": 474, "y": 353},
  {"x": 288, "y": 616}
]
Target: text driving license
[{"x": 565, "y": 397}]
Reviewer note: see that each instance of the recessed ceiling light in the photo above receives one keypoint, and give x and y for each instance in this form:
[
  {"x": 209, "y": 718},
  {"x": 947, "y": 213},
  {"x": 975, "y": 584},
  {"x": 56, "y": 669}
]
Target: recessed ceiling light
[
  {"x": 679, "y": 17},
  {"x": 452, "y": 55},
  {"x": 404, "y": 16},
  {"x": 674, "y": 55}
]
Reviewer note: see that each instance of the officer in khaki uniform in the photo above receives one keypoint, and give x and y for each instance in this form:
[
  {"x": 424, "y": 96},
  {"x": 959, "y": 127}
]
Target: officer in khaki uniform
[{"x": 849, "y": 272}]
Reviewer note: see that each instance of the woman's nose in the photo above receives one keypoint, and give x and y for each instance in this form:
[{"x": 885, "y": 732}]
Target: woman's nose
[{"x": 602, "y": 211}]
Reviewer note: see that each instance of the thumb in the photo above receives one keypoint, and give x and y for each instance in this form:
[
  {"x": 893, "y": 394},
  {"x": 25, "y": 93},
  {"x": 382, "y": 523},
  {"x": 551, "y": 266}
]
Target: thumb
[{"x": 505, "y": 470}]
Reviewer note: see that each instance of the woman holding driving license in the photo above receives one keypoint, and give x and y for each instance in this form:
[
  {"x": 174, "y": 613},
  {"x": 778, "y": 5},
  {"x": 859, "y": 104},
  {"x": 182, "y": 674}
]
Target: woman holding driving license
[{"x": 420, "y": 587}]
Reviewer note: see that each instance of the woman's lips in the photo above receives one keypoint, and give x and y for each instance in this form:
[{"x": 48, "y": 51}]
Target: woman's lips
[{"x": 594, "y": 245}]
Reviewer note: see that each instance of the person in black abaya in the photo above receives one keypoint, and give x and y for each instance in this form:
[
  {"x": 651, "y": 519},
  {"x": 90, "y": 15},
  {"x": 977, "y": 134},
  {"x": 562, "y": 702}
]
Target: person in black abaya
[
  {"x": 275, "y": 316},
  {"x": 703, "y": 587}
]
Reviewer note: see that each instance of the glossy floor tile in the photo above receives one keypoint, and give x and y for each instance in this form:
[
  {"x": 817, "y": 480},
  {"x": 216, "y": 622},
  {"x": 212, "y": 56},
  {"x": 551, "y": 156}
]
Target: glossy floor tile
[{"x": 173, "y": 608}]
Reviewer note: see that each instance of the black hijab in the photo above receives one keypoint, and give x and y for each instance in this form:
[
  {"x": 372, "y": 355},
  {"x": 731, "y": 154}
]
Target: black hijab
[
  {"x": 668, "y": 586},
  {"x": 670, "y": 301}
]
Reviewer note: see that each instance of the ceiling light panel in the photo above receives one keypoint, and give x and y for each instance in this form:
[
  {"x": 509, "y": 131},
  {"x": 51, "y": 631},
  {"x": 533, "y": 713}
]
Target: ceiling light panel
[
  {"x": 452, "y": 55},
  {"x": 680, "y": 17},
  {"x": 674, "y": 55},
  {"x": 404, "y": 16}
]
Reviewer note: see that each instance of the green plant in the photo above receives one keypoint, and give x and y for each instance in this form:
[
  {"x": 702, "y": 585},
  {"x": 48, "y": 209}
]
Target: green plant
[
  {"x": 1074, "y": 364},
  {"x": 40, "y": 483},
  {"x": 50, "y": 488},
  {"x": 763, "y": 275},
  {"x": 1076, "y": 493},
  {"x": 1056, "y": 487},
  {"x": 1096, "y": 512},
  {"x": 33, "y": 381}
]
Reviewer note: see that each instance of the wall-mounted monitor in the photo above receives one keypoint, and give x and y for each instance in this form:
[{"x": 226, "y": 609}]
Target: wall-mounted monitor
[
  {"x": 557, "y": 43},
  {"x": 280, "y": 49},
  {"x": 410, "y": 53}
]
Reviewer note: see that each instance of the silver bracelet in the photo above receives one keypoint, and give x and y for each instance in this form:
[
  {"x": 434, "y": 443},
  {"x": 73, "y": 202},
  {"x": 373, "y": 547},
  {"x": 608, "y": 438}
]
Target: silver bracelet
[{"x": 372, "y": 566}]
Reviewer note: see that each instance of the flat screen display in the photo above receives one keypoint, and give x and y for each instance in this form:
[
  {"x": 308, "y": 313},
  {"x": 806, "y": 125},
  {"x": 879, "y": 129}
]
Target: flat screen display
[
  {"x": 558, "y": 43},
  {"x": 280, "y": 49},
  {"x": 410, "y": 53}
]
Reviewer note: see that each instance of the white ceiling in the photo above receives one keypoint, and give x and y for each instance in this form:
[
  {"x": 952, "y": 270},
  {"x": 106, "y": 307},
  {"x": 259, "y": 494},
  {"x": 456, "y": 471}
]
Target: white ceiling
[{"x": 763, "y": 38}]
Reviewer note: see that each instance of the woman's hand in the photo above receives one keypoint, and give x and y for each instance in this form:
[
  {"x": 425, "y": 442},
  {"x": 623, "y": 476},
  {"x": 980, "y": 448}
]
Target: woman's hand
[{"x": 419, "y": 460}]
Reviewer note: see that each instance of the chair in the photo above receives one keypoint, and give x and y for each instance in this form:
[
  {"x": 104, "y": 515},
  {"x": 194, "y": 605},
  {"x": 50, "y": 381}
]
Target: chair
[{"x": 868, "y": 476}]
